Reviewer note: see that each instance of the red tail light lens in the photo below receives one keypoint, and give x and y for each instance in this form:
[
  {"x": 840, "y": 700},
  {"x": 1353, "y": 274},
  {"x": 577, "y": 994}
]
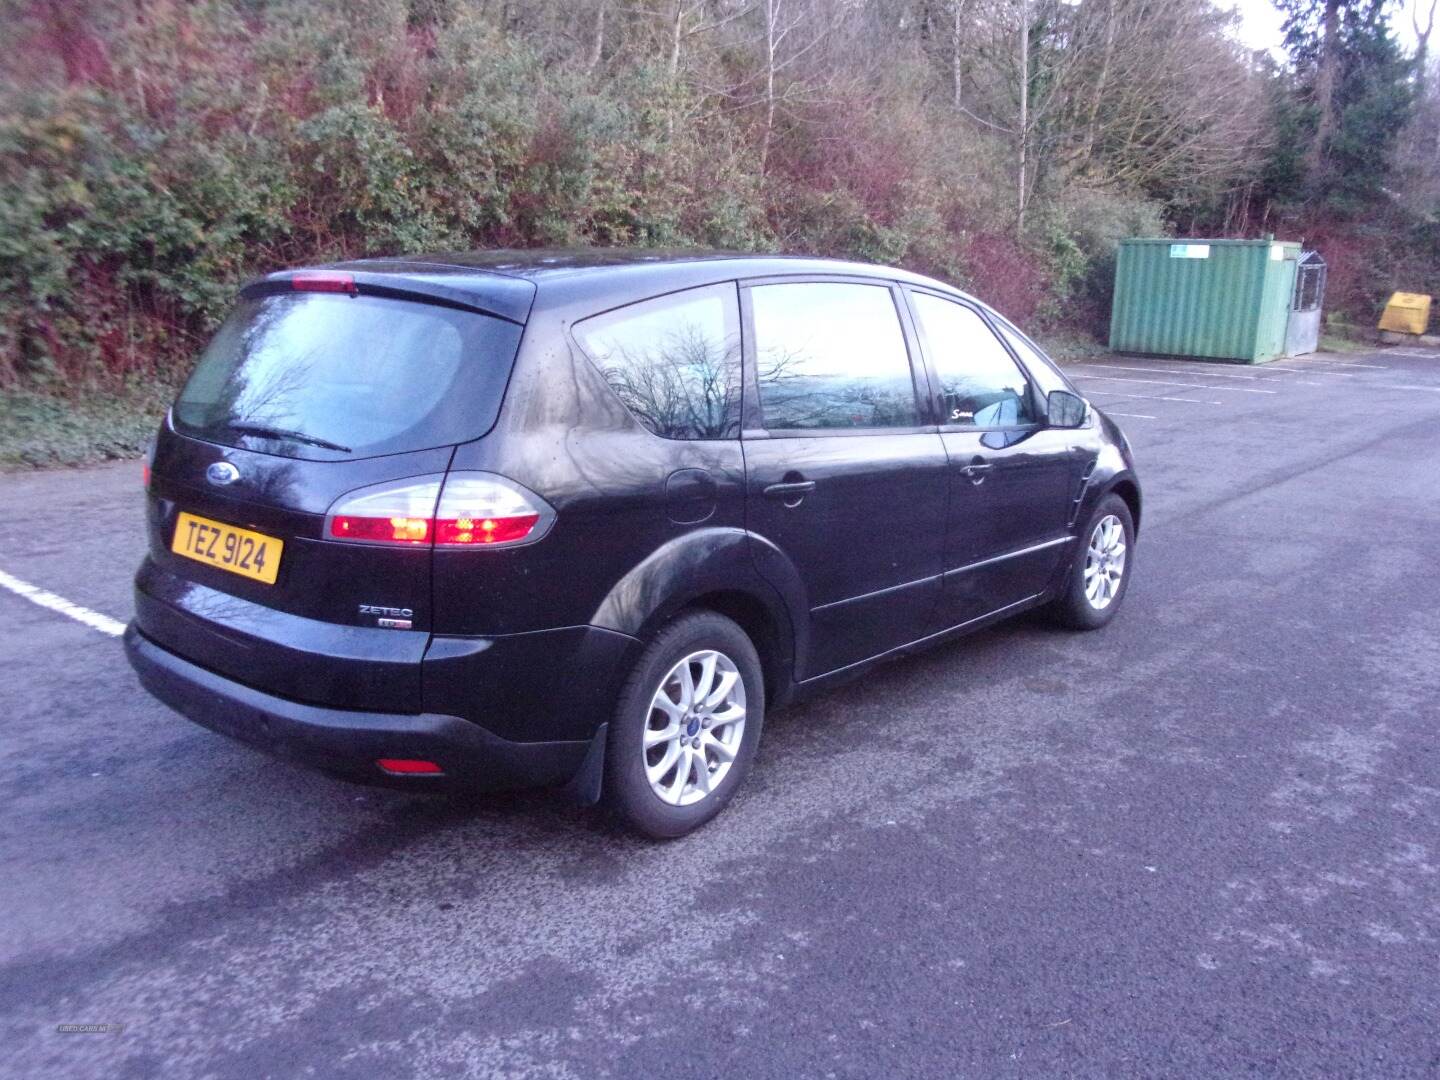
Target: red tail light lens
[
  {"x": 323, "y": 281},
  {"x": 479, "y": 509},
  {"x": 394, "y": 530},
  {"x": 395, "y": 513},
  {"x": 475, "y": 510},
  {"x": 486, "y": 530}
]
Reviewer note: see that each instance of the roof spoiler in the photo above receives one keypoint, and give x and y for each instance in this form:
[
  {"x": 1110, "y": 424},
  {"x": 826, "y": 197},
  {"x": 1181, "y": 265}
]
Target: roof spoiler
[{"x": 504, "y": 297}]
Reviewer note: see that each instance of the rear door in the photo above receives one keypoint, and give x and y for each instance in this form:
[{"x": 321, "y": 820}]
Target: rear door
[
  {"x": 1012, "y": 478},
  {"x": 844, "y": 473},
  {"x": 301, "y": 399}
]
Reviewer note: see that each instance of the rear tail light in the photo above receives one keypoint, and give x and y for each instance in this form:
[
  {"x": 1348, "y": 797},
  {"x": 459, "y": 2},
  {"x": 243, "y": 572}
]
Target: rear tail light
[
  {"x": 462, "y": 510},
  {"x": 480, "y": 509},
  {"x": 149, "y": 464},
  {"x": 400, "y": 513}
]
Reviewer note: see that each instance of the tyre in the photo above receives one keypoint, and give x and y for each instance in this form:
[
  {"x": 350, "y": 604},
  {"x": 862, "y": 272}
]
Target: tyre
[
  {"x": 686, "y": 727},
  {"x": 1097, "y": 581}
]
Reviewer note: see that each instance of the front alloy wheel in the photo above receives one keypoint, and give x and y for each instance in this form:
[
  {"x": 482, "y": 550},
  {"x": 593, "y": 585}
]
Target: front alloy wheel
[
  {"x": 1100, "y": 574},
  {"x": 1105, "y": 562}
]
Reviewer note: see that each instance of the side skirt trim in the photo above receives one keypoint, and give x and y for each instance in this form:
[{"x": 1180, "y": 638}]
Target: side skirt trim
[
  {"x": 1032, "y": 549},
  {"x": 928, "y": 639}
]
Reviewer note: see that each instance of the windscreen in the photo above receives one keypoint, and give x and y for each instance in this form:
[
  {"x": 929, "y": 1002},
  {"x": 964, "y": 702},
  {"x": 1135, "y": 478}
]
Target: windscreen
[{"x": 335, "y": 377}]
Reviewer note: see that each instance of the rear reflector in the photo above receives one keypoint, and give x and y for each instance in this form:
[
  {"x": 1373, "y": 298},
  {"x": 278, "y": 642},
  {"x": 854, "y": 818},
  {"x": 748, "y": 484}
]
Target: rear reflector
[
  {"x": 323, "y": 281},
  {"x": 409, "y": 767}
]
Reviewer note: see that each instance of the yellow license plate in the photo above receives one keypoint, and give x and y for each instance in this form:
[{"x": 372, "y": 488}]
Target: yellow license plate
[{"x": 240, "y": 551}]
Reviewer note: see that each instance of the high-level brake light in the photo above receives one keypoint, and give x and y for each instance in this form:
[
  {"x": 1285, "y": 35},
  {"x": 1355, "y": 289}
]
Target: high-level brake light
[
  {"x": 461, "y": 510},
  {"x": 323, "y": 281}
]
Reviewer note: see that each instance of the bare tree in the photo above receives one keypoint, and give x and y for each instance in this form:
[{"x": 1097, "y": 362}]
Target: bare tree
[
  {"x": 597, "y": 45},
  {"x": 685, "y": 20},
  {"x": 1032, "y": 49},
  {"x": 1422, "y": 47},
  {"x": 957, "y": 53},
  {"x": 1022, "y": 128}
]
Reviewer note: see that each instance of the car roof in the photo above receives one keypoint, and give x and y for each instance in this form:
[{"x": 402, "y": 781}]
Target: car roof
[{"x": 510, "y": 283}]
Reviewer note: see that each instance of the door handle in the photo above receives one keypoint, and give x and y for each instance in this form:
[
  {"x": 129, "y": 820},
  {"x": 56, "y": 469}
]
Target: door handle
[
  {"x": 791, "y": 492},
  {"x": 976, "y": 471}
]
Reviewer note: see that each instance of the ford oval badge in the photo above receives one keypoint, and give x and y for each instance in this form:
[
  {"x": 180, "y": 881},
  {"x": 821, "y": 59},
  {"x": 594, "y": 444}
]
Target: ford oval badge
[{"x": 221, "y": 473}]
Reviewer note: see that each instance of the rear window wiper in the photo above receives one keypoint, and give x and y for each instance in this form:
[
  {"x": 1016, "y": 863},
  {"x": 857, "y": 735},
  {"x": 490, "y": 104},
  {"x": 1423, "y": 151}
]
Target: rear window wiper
[{"x": 264, "y": 432}]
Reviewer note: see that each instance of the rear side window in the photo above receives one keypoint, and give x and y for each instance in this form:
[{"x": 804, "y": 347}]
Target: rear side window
[
  {"x": 980, "y": 383},
  {"x": 674, "y": 361},
  {"x": 830, "y": 355},
  {"x": 334, "y": 377}
]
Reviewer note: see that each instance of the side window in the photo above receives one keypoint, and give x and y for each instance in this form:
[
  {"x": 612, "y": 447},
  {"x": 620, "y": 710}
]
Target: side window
[
  {"x": 674, "y": 361},
  {"x": 830, "y": 355},
  {"x": 1041, "y": 367},
  {"x": 979, "y": 382}
]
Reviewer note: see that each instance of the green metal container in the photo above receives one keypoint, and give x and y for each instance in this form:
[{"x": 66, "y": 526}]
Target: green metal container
[{"x": 1209, "y": 299}]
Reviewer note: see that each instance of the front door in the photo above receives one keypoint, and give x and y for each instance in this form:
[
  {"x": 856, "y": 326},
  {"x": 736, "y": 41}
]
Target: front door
[
  {"x": 843, "y": 475},
  {"x": 1012, "y": 478}
]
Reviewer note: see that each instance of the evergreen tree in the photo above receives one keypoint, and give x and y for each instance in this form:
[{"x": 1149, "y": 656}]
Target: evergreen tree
[{"x": 1353, "y": 98}]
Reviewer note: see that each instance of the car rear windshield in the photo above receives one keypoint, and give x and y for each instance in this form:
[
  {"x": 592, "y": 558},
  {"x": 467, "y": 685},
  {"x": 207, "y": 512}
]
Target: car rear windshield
[{"x": 335, "y": 377}]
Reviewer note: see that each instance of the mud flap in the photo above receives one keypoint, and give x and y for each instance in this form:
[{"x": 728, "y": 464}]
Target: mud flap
[{"x": 585, "y": 786}]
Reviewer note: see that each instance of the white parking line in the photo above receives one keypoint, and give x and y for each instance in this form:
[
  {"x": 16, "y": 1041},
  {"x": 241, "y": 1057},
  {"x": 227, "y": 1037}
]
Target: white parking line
[
  {"x": 1199, "y": 374},
  {"x": 1176, "y": 371},
  {"x": 1158, "y": 397},
  {"x": 1316, "y": 371},
  {"x": 37, "y": 595},
  {"x": 1187, "y": 386},
  {"x": 1337, "y": 363},
  {"x": 1129, "y": 415}
]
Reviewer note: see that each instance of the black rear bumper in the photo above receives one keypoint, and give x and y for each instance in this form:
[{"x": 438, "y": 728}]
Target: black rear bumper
[{"x": 349, "y": 742}]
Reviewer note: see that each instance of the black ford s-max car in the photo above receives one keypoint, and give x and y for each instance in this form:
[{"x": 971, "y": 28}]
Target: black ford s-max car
[{"x": 581, "y": 519}]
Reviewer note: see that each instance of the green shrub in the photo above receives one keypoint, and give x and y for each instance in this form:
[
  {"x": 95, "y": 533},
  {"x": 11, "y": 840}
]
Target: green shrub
[{"x": 1084, "y": 229}]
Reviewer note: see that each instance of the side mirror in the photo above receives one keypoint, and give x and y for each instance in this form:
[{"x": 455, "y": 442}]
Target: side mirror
[{"x": 1064, "y": 409}]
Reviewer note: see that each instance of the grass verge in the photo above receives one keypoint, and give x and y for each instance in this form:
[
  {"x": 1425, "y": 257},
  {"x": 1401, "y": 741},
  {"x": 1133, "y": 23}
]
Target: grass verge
[
  {"x": 40, "y": 430},
  {"x": 1338, "y": 342}
]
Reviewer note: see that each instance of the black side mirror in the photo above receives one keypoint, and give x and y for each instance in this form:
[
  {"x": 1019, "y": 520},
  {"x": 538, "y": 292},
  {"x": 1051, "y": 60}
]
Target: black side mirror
[{"x": 1064, "y": 409}]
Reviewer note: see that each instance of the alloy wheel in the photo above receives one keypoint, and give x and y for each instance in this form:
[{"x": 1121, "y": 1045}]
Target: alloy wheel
[
  {"x": 694, "y": 728},
  {"x": 1105, "y": 562}
]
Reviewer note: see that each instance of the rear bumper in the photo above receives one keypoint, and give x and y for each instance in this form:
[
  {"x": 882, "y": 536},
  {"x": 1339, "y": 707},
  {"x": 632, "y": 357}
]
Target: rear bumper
[{"x": 349, "y": 742}]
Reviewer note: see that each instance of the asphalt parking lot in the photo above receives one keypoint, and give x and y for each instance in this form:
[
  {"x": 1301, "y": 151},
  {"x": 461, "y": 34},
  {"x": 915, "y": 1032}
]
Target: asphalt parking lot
[{"x": 1204, "y": 841}]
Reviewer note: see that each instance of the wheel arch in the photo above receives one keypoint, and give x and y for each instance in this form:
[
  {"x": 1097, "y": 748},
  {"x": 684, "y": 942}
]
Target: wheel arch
[
  {"x": 764, "y": 631},
  {"x": 1126, "y": 487},
  {"x": 710, "y": 569}
]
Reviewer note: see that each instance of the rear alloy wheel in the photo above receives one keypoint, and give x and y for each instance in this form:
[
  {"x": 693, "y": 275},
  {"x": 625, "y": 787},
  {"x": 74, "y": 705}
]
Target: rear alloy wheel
[
  {"x": 686, "y": 728},
  {"x": 1101, "y": 571},
  {"x": 695, "y": 728}
]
